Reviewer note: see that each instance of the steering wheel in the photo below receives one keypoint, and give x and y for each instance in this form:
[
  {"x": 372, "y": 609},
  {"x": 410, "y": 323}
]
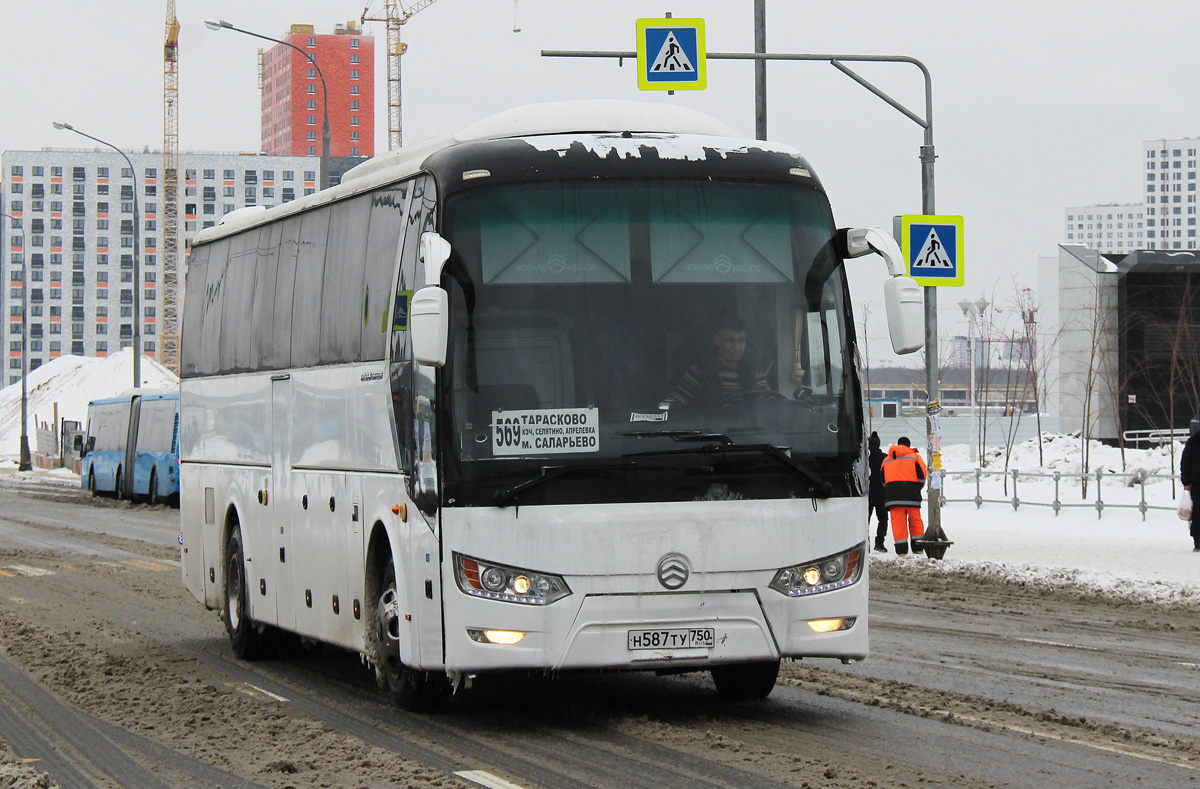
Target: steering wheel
[{"x": 755, "y": 394}]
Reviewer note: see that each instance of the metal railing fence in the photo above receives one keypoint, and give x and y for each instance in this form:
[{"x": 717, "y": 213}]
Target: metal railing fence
[{"x": 1138, "y": 478}]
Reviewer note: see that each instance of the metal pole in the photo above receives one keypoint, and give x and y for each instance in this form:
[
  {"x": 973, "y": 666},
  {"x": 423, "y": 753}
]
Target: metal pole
[
  {"x": 933, "y": 408},
  {"x": 25, "y": 463},
  {"x": 975, "y": 437},
  {"x": 137, "y": 264},
  {"x": 217, "y": 24},
  {"x": 760, "y": 70}
]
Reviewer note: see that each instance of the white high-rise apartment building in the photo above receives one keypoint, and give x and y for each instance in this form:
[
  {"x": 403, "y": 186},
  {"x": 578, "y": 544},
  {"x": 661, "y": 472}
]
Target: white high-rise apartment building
[
  {"x": 1107, "y": 227},
  {"x": 69, "y": 237},
  {"x": 1170, "y": 193}
]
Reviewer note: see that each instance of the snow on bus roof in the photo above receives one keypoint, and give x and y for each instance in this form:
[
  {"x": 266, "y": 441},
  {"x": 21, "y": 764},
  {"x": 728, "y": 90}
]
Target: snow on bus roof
[
  {"x": 666, "y": 146},
  {"x": 590, "y": 117},
  {"x": 600, "y": 116}
]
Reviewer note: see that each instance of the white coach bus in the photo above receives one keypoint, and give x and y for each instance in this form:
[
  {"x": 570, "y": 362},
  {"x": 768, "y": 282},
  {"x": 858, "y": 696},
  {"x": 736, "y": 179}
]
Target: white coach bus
[{"x": 572, "y": 389}]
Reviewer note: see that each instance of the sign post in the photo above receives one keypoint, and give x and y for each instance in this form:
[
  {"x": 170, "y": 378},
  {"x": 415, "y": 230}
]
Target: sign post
[{"x": 933, "y": 251}]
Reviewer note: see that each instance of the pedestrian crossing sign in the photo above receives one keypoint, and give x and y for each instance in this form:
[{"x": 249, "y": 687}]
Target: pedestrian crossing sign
[
  {"x": 933, "y": 248},
  {"x": 671, "y": 55}
]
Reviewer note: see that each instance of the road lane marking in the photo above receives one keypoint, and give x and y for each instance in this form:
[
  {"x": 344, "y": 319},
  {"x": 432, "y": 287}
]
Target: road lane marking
[
  {"x": 1117, "y": 749},
  {"x": 7, "y": 574},
  {"x": 26, "y": 570},
  {"x": 486, "y": 779},
  {"x": 1189, "y": 665},
  {"x": 1057, "y": 644},
  {"x": 266, "y": 693},
  {"x": 142, "y": 564}
]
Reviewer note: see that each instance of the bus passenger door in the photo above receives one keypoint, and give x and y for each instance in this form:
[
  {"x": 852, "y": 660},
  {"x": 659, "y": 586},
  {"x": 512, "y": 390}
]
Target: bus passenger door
[{"x": 280, "y": 504}]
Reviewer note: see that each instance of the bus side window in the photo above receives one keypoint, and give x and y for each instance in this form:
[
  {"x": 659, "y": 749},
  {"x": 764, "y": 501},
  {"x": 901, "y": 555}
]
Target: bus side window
[
  {"x": 345, "y": 268},
  {"x": 306, "y": 300},
  {"x": 388, "y": 206}
]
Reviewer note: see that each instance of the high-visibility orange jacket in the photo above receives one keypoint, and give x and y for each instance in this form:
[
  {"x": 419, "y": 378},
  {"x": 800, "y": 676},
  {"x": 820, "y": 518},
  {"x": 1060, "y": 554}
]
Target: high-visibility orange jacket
[{"x": 904, "y": 475}]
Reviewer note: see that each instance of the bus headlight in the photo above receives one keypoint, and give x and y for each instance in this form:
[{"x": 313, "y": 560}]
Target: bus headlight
[
  {"x": 493, "y": 581},
  {"x": 822, "y": 575}
]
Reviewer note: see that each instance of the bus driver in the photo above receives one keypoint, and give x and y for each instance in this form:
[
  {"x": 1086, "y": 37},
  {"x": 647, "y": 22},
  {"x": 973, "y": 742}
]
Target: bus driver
[{"x": 717, "y": 381}]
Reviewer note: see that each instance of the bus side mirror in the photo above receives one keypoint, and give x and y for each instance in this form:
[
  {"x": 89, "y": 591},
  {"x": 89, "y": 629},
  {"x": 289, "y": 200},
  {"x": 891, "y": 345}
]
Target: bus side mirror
[
  {"x": 902, "y": 297},
  {"x": 429, "y": 323},
  {"x": 77, "y": 444},
  {"x": 905, "y": 306}
]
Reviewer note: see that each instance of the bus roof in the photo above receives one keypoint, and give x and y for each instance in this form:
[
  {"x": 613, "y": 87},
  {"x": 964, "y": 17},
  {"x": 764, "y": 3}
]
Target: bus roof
[
  {"x": 534, "y": 120},
  {"x": 144, "y": 393}
]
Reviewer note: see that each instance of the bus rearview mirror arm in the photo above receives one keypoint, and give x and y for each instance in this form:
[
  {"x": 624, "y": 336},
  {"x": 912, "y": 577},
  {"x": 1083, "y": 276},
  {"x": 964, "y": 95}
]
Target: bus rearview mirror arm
[
  {"x": 903, "y": 299},
  {"x": 429, "y": 319},
  {"x": 434, "y": 252}
]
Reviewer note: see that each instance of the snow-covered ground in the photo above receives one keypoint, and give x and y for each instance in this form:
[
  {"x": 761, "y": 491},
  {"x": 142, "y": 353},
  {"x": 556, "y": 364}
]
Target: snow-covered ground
[{"x": 1119, "y": 554}]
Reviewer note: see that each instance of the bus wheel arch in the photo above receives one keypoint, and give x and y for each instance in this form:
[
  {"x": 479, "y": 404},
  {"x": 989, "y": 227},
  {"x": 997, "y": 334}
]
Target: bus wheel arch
[
  {"x": 408, "y": 688},
  {"x": 246, "y": 638}
]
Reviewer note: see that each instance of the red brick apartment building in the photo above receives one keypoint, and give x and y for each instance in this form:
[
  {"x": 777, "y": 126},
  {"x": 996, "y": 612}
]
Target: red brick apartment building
[{"x": 293, "y": 101}]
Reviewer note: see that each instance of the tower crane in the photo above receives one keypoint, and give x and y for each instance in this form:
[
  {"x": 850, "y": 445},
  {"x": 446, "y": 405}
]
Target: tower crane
[
  {"x": 395, "y": 15},
  {"x": 169, "y": 343}
]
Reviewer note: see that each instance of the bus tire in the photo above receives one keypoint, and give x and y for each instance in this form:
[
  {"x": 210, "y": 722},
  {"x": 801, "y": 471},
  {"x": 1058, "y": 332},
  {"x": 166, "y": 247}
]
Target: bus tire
[
  {"x": 152, "y": 492},
  {"x": 414, "y": 691},
  {"x": 244, "y": 637},
  {"x": 119, "y": 490},
  {"x": 746, "y": 680},
  {"x": 92, "y": 482}
]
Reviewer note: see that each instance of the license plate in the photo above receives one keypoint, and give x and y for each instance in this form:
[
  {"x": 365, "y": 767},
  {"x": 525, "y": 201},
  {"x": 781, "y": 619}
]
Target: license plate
[{"x": 689, "y": 638}]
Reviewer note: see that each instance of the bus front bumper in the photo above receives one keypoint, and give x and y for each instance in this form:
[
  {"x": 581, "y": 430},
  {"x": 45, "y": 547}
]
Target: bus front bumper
[{"x": 655, "y": 631}]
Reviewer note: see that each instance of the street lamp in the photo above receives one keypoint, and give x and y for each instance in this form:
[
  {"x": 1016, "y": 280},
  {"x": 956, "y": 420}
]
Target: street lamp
[
  {"x": 26, "y": 461},
  {"x": 137, "y": 264},
  {"x": 974, "y": 311},
  {"x": 217, "y": 24}
]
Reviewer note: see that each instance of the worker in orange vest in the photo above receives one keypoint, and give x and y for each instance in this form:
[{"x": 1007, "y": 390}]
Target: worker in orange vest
[{"x": 904, "y": 475}]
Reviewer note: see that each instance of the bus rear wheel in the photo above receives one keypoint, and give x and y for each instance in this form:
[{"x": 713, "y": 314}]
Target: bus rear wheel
[
  {"x": 746, "y": 680},
  {"x": 244, "y": 637},
  {"x": 415, "y": 691}
]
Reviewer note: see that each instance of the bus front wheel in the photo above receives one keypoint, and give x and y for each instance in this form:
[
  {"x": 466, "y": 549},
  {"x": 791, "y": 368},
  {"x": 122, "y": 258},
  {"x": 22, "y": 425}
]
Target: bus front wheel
[
  {"x": 119, "y": 490},
  {"x": 411, "y": 690},
  {"x": 153, "y": 492},
  {"x": 92, "y": 482},
  {"x": 245, "y": 639},
  {"x": 746, "y": 680}
]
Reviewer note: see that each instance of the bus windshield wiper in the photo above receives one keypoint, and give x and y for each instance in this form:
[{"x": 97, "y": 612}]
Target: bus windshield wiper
[
  {"x": 680, "y": 435},
  {"x": 770, "y": 450},
  {"x": 506, "y": 496}
]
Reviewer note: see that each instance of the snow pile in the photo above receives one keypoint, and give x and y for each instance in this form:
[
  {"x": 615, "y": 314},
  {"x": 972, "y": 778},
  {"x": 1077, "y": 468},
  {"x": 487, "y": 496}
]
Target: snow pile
[
  {"x": 70, "y": 382},
  {"x": 1064, "y": 453}
]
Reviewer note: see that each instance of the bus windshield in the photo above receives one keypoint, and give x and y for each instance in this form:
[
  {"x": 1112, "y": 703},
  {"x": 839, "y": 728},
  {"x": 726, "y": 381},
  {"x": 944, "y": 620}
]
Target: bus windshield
[{"x": 658, "y": 340}]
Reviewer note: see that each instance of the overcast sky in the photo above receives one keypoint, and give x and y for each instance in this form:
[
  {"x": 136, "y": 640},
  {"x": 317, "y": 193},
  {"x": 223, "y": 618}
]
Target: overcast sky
[{"x": 1037, "y": 105}]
